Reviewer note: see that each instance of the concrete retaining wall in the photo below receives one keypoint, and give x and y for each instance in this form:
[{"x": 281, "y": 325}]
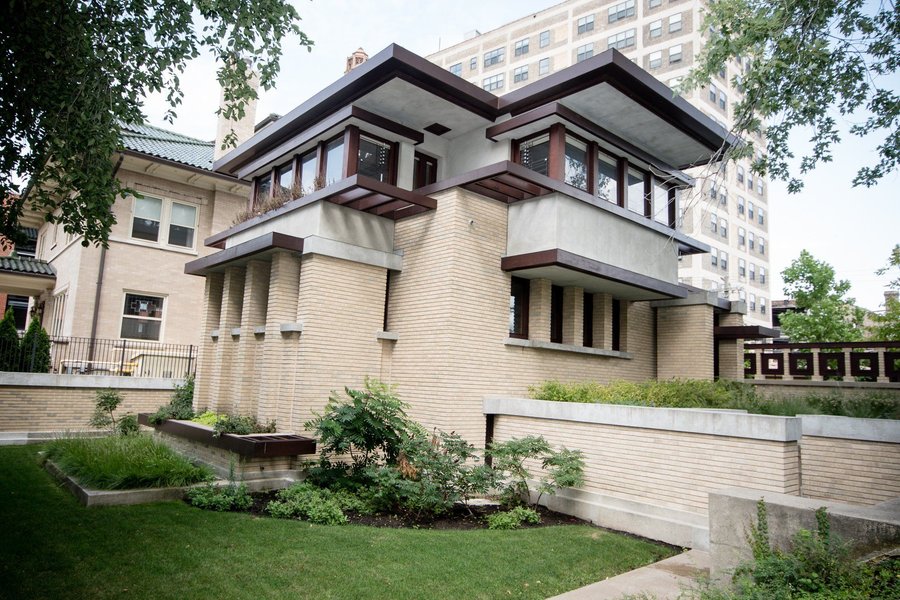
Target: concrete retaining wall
[
  {"x": 38, "y": 402},
  {"x": 733, "y": 512}
]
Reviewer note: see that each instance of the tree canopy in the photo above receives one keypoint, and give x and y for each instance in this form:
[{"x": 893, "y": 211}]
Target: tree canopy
[
  {"x": 72, "y": 71},
  {"x": 886, "y": 325},
  {"x": 824, "y": 313},
  {"x": 802, "y": 63}
]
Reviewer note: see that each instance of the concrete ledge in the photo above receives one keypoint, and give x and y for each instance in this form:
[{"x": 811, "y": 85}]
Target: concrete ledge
[
  {"x": 368, "y": 256},
  {"x": 851, "y": 428},
  {"x": 866, "y": 530},
  {"x": 259, "y": 330},
  {"x": 388, "y": 336},
  {"x": 689, "y": 420},
  {"x": 566, "y": 348},
  {"x": 291, "y": 328},
  {"x": 20, "y": 438},
  {"x": 90, "y": 498},
  {"x": 214, "y": 334},
  {"x": 672, "y": 526},
  {"x": 235, "y": 332},
  {"x": 87, "y": 381}
]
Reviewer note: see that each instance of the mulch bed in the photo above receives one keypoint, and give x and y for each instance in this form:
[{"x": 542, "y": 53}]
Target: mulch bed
[{"x": 460, "y": 517}]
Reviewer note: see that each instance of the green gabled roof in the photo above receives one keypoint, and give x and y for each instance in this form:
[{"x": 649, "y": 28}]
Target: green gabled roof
[
  {"x": 26, "y": 266},
  {"x": 169, "y": 145}
]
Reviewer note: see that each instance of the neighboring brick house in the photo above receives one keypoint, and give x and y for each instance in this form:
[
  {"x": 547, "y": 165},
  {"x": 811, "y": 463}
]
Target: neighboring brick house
[
  {"x": 23, "y": 276},
  {"x": 461, "y": 244},
  {"x": 136, "y": 288}
]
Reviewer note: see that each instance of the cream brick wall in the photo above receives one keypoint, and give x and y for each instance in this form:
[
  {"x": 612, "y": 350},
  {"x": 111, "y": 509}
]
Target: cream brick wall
[
  {"x": 29, "y": 408},
  {"x": 684, "y": 342},
  {"x": 450, "y": 307},
  {"x": 852, "y": 471},
  {"x": 664, "y": 468}
]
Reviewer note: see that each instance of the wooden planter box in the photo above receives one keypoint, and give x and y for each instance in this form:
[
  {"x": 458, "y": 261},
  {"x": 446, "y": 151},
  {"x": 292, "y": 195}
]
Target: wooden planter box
[{"x": 257, "y": 445}]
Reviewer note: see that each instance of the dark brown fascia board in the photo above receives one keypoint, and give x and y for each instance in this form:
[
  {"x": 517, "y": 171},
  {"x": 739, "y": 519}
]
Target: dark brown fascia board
[
  {"x": 582, "y": 264},
  {"x": 183, "y": 166},
  {"x": 267, "y": 241},
  {"x": 373, "y": 73},
  {"x": 345, "y": 114},
  {"x": 746, "y": 332},
  {"x": 686, "y": 244},
  {"x": 218, "y": 240},
  {"x": 555, "y": 109},
  {"x": 613, "y": 67}
]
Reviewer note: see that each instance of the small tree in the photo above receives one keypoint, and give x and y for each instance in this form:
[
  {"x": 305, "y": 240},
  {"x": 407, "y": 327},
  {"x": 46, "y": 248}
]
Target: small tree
[
  {"x": 35, "y": 349},
  {"x": 562, "y": 468},
  {"x": 108, "y": 401},
  {"x": 887, "y": 325},
  {"x": 9, "y": 342},
  {"x": 824, "y": 312}
]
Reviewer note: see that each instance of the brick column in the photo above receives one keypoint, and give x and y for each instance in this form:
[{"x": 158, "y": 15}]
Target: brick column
[
  {"x": 573, "y": 316},
  {"x": 279, "y": 349},
  {"x": 207, "y": 370},
  {"x": 603, "y": 321},
  {"x": 731, "y": 352},
  {"x": 253, "y": 315},
  {"x": 226, "y": 347},
  {"x": 882, "y": 367},
  {"x": 539, "y": 310}
]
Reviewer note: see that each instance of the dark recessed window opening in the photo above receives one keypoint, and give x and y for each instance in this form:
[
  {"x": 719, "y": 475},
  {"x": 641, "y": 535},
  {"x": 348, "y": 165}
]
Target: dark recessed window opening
[
  {"x": 556, "y": 314},
  {"x": 588, "y": 333},
  {"x": 519, "y": 292},
  {"x": 616, "y": 324},
  {"x": 535, "y": 154},
  {"x": 374, "y": 159},
  {"x": 425, "y": 170}
]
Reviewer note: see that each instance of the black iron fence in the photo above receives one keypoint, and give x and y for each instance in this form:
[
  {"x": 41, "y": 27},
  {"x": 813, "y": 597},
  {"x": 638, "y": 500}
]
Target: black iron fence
[{"x": 93, "y": 356}]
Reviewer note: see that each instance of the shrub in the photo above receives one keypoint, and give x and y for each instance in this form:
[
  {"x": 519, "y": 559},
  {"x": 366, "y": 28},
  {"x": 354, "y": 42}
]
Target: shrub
[
  {"x": 369, "y": 425},
  {"x": 180, "y": 407},
  {"x": 513, "y": 519},
  {"x": 123, "y": 462},
  {"x": 128, "y": 425},
  {"x": 562, "y": 468},
  {"x": 35, "y": 349},
  {"x": 220, "y": 497},
  {"x": 207, "y": 418},
  {"x": 108, "y": 401},
  {"x": 241, "y": 425},
  {"x": 9, "y": 342},
  {"x": 316, "y": 505}
]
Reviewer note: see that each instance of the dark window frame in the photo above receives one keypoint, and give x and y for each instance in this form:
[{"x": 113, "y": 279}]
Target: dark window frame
[
  {"x": 587, "y": 336},
  {"x": 556, "y": 313},
  {"x": 420, "y": 163},
  {"x": 520, "y": 289}
]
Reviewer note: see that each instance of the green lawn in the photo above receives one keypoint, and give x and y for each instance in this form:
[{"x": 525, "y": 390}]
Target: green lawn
[{"x": 52, "y": 547}]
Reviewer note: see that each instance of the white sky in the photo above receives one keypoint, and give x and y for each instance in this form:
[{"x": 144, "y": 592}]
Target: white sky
[{"x": 853, "y": 229}]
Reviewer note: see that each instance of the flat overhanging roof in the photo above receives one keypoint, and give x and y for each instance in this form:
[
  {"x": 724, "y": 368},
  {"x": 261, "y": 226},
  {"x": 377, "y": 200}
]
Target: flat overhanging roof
[{"x": 608, "y": 89}]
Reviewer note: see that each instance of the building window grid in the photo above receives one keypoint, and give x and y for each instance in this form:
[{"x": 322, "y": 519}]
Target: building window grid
[
  {"x": 543, "y": 66},
  {"x": 742, "y": 236},
  {"x": 655, "y": 60},
  {"x": 656, "y": 28},
  {"x": 750, "y": 209},
  {"x": 752, "y": 272},
  {"x": 654, "y": 3},
  {"x": 723, "y": 228},
  {"x": 456, "y": 69},
  {"x": 762, "y": 305},
  {"x": 751, "y": 241},
  {"x": 521, "y": 47},
  {"x": 723, "y": 260},
  {"x": 742, "y": 267},
  {"x": 762, "y": 216},
  {"x": 544, "y": 39},
  {"x": 714, "y": 223},
  {"x": 520, "y": 74},
  {"x": 675, "y": 54},
  {"x": 762, "y": 245},
  {"x": 494, "y": 57},
  {"x": 675, "y": 23},
  {"x": 621, "y": 40},
  {"x": 495, "y": 82},
  {"x": 621, "y": 11},
  {"x": 584, "y": 52},
  {"x": 723, "y": 197},
  {"x": 473, "y": 63},
  {"x": 585, "y": 24},
  {"x": 714, "y": 257},
  {"x": 762, "y": 274},
  {"x": 740, "y": 205}
]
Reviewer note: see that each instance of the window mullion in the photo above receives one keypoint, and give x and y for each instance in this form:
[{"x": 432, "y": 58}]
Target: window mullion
[{"x": 351, "y": 151}]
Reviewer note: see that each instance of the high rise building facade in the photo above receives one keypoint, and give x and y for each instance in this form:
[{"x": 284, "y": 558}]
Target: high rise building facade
[{"x": 728, "y": 208}]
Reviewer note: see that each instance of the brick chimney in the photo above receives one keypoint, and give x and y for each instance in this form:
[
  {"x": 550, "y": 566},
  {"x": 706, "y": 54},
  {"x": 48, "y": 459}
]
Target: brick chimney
[
  {"x": 243, "y": 128},
  {"x": 356, "y": 59}
]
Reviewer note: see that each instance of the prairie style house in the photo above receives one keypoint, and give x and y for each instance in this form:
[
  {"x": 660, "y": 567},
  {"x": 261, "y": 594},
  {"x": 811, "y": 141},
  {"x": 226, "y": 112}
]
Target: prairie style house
[{"x": 461, "y": 244}]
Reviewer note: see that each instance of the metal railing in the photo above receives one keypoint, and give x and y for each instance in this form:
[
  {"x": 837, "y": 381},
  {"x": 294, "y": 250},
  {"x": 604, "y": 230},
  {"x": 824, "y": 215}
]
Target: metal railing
[
  {"x": 95, "y": 356},
  {"x": 827, "y": 361}
]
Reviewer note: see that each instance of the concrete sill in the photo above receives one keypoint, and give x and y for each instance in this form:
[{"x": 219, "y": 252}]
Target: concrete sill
[
  {"x": 387, "y": 336},
  {"x": 259, "y": 330},
  {"x": 567, "y": 348},
  {"x": 291, "y": 327},
  {"x": 235, "y": 332},
  {"x": 214, "y": 334}
]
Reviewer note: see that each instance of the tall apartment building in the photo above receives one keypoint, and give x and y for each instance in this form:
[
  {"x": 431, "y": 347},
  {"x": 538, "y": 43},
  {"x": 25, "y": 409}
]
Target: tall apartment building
[{"x": 729, "y": 206}]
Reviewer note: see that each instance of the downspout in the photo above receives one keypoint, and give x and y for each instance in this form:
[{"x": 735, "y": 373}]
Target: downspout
[{"x": 99, "y": 288}]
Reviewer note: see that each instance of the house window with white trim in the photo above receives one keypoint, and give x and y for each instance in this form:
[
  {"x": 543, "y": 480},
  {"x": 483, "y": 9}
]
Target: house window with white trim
[
  {"x": 656, "y": 28},
  {"x": 762, "y": 274},
  {"x": 584, "y": 52},
  {"x": 655, "y": 59},
  {"x": 520, "y": 74},
  {"x": 493, "y": 83},
  {"x": 520, "y": 47},
  {"x": 713, "y": 257},
  {"x": 544, "y": 39},
  {"x": 153, "y": 215},
  {"x": 675, "y": 23},
  {"x": 675, "y": 54},
  {"x": 622, "y": 40},
  {"x": 494, "y": 57},
  {"x": 586, "y": 24},
  {"x": 621, "y": 11},
  {"x": 543, "y": 66},
  {"x": 142, "y": 317}
]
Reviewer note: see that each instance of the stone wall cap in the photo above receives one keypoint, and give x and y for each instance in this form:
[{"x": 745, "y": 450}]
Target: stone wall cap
[{"x": 851, "y": 428}]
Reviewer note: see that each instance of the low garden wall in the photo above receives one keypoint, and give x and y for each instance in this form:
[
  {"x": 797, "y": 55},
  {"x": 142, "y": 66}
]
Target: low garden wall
[
  {"x": 651, "y": 471},
  {"x": 39, "y": 402}
]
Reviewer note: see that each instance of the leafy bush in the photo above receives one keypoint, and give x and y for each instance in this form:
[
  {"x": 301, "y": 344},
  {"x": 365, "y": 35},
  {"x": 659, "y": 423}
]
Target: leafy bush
[
  {"x": 207, "y": 418},
  {"x": 35, "y": 349},
  {"x": 9, "y": 342},
  {"x": 816, "y": 567},
  {"x": 241, "y": 425},
  {"x": 123, "y": 462},
  {"x": 316, "y": 505},
  {"x": 128, "y": 425},
  {"x": 689, "y": 393},
  {"x": 513, "y": 519},
  {"x": 562, "y": 468},
  {"x": 180, "y": 407},
  {"x": 220, "y": 497},
  {"x": 368, "y": 425},
  {"x": 104, "y": 416}
]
